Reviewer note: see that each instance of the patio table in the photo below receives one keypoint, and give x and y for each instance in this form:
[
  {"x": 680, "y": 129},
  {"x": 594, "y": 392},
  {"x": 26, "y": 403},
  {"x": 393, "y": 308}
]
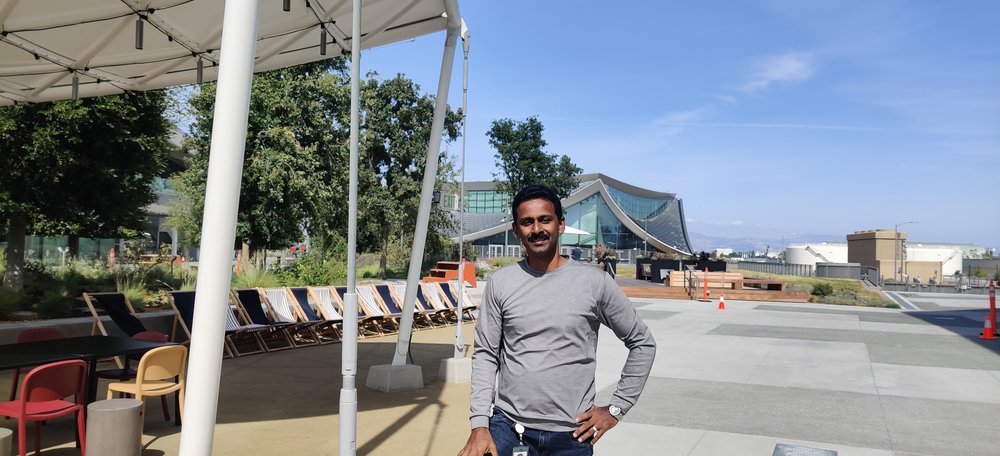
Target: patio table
[{"x": 88, "y": 348}]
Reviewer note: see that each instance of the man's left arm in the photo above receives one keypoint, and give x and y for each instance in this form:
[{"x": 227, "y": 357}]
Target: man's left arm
[{"x": 618, "y": 313}]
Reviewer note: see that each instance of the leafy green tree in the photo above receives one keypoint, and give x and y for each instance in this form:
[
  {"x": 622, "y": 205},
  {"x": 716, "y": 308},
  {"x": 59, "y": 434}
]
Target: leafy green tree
[
  {"x": 79, "y": 168},
  {"x": 395, "y": 131},
  {"x": 295, "y": 172},
  {"x": 295, "y": 162},
  {"x": 522, "y": 160}
]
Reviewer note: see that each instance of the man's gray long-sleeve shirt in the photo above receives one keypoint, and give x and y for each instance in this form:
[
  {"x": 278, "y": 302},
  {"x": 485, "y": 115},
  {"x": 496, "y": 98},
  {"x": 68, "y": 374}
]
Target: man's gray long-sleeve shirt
[{"x": 536, "y": 340}]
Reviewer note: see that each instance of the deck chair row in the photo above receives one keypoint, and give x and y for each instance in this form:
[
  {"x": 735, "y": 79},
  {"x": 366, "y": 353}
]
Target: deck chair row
[{"x": 272, "y": 319}]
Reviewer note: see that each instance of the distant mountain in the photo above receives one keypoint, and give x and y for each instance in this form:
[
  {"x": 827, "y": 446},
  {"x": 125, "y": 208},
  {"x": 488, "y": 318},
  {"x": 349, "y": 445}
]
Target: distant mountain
[{"x": 703, "y": 242}]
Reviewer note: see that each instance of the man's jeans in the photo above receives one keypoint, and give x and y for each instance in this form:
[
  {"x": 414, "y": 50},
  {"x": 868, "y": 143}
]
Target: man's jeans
[{"x": 540, "y": 443}]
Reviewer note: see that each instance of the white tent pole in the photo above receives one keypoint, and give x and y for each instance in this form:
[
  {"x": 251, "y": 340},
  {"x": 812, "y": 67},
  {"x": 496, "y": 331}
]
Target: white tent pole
[
  {"x": 222, "y": 196},
  {"x": 349, "y": 354},
  {"x": 430, "y": 175},
  {"x": 459, "y": 344}
]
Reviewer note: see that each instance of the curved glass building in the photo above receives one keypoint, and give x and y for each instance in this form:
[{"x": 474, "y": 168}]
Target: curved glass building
[{"x": 603, "y": 210}]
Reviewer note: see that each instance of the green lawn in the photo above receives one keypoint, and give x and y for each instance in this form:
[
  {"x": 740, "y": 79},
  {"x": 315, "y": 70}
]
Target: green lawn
[{"x": 847, "y": 292}]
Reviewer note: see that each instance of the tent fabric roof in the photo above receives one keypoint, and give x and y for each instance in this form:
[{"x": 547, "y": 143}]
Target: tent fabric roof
[{"x": 45, "y": 44}]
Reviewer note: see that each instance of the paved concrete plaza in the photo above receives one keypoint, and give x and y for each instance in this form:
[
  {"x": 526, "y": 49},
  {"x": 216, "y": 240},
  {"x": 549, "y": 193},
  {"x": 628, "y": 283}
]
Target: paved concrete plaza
[
  {"x": 736, "y": 382},
  {"x": 856, "y": 380}
]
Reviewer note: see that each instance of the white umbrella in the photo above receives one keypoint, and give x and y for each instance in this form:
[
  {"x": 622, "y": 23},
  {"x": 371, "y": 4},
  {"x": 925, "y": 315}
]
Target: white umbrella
[{"x": 571, "y": 230}]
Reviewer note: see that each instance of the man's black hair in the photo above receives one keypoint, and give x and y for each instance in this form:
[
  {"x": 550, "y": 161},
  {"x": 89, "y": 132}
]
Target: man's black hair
[{"x": 531, "y": 192}]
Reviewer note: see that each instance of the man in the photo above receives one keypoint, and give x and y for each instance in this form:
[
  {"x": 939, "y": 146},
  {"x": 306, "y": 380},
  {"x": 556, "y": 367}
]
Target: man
[{"x": 536, "y": 341}]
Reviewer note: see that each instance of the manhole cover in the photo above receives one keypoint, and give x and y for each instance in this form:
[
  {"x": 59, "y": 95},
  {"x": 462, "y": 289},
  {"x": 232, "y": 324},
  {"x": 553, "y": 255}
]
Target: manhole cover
[{"x": 782, "y": 449}]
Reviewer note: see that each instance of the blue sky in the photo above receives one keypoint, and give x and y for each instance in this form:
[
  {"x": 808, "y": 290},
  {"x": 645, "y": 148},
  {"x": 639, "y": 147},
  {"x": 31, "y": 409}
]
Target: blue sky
[{"x": 768, "y": 118}]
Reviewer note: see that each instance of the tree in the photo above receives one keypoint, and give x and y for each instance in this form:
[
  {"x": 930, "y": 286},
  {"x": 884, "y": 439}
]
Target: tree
[
  {"x": 295, "y": 161},
  {"x": 395, "y": 131},
  {"x": 295, "y": 171},
  {"x": 522, "y": 160},
  {"x": 79, "y": 168}
]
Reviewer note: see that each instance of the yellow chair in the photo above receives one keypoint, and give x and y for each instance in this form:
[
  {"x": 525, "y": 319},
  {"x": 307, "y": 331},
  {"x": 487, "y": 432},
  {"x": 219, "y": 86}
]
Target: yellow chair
[{"x": 155, "y": 376}]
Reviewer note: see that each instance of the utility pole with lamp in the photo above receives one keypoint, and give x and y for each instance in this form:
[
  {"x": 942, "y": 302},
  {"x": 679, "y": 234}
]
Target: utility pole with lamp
[{"x": 896, "y": 247}]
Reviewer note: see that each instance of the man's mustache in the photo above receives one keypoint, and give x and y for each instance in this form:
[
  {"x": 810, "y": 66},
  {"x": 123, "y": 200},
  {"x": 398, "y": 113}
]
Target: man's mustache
[{"x": 543, "y": 236}]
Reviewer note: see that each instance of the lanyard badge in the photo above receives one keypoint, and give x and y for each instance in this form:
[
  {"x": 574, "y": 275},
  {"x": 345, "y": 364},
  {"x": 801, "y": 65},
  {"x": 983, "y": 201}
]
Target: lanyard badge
[{"x": 522, "y": 449}]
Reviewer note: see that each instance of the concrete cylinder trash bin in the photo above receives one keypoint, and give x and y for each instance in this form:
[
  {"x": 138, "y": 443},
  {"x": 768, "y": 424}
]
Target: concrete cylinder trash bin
[
  {"x": 113, "y": 427},
  {"x": 6, "y": 441}
]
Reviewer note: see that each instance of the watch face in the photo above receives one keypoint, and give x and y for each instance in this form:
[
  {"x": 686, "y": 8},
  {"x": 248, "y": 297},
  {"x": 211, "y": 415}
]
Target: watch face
[{"x": 615, "y": 411}]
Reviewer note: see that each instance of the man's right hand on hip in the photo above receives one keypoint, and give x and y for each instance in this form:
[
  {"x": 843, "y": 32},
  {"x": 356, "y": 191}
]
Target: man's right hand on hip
[{"x": 480, "y": 442}]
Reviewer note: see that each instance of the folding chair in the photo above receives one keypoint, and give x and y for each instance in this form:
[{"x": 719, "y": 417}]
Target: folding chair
[
  {"x": 238, "y": 335},
  {"x": 280, "y": 302},
  {"x": 435, "y": 298},
  {"x": 250, "y": 304},
  {"x": 394, "y": 304},
  {"x": 330, "y": 305},
  {"x": 117, "y": 306},
  {"x": 368, "y": 302},
  {"x": 326, "y": 329},
  {"x": 365, "y": 320},
  {"x": 451, "y": 295},
  {"x": 436, "y": 316}
]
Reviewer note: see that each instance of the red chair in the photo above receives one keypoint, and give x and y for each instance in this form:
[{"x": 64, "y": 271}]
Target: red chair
[
  {"x": 32, "y": 335},
  {"x": 43, "y": 398}
]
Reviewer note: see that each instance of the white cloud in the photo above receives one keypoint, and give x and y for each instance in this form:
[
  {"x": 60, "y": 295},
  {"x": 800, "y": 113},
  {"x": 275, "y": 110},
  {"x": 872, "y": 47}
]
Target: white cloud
[
  {"x": 790, "y": 67},
  {"x": 673, "y": 123}
]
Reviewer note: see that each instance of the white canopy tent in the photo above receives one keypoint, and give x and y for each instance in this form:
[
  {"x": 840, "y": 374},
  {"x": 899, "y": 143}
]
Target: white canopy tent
[
  {"x": 46, "y": 43},
  {"x": 54, "y": 50}
]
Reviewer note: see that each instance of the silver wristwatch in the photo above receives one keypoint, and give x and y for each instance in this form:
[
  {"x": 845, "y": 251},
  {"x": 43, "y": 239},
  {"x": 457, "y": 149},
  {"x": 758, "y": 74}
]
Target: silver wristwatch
[{"x": 616, "y": 412}]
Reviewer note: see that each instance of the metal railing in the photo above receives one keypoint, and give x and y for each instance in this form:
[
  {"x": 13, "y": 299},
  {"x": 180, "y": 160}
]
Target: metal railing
[{"x": 803, "y": 270}]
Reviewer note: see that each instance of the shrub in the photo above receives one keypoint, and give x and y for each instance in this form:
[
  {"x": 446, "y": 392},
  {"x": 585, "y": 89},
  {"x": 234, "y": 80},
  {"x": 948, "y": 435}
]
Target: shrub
[
  {"x": 55, "y": 304},
  {"x": 254, "y": 277},
  {"x": 189, "y": 279},
  {"x": 603, "y": 252},
  {"x": 664, "y": 256},
  {"x": 822, "y": 289},
  {"x": 133, "y": 286},
  {"x": 11, "y": 301},
  {"x": 313, "y": 269}
]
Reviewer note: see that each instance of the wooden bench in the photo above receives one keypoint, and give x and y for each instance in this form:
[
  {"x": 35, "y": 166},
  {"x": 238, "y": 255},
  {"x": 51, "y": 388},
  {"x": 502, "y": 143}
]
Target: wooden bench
[
  {"x": 764, "y": 284},
  {"x": 732, "y": 280},
  {"x": 446, "y": 271}
]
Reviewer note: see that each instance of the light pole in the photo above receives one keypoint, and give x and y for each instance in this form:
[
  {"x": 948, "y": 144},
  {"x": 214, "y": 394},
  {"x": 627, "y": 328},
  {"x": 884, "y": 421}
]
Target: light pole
[
  {"x": 896, "y": 247},
  {"x": 504, "y": 221}
]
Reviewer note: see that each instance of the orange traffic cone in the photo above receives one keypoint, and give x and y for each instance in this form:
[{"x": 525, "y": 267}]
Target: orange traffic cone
[
  {"x": 722, "y": 302},
  {"x": 988, "y": 332}
]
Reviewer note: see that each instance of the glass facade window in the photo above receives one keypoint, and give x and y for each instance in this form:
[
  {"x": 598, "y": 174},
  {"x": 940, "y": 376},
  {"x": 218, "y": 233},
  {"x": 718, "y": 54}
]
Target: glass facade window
[
  {"x": 449, "y": 201},
  {"x": 486, "y": 201},
  {"x": 637, "y": 207},
  {"x": 657, "y": 214},
  {"x": 595, "y": 217}
]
